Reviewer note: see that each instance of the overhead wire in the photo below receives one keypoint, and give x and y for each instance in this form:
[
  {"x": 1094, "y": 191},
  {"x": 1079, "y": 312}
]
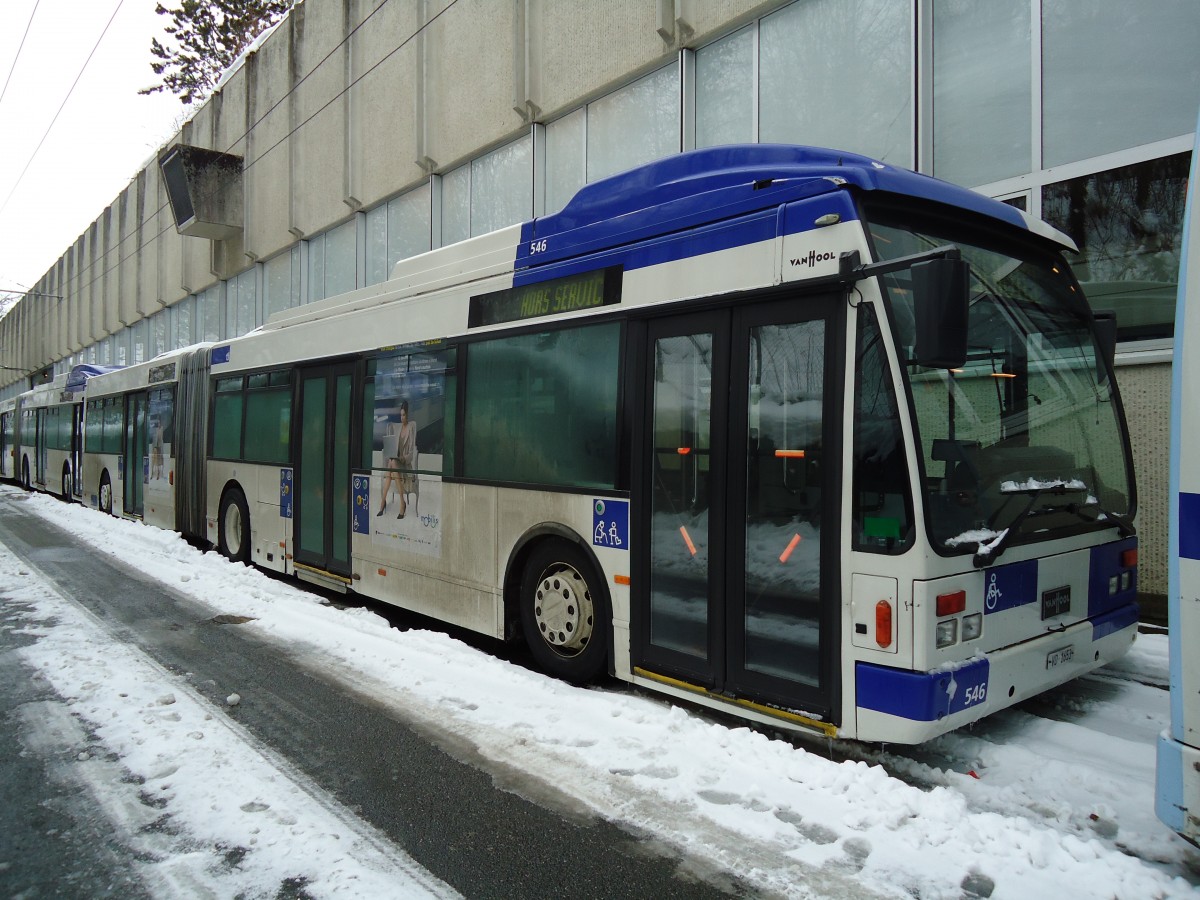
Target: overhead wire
[
  {"x": 21, "y": 47},
  {"x": 75, "y": 83},
  {"x": 260, "y": 156}
]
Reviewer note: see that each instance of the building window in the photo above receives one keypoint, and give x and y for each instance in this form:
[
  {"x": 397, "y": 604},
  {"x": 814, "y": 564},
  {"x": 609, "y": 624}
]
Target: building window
[
  {"x": 281, "y": 282},
  {"x": 241, "y": 313},
  {"x": 208, "y": 314},
  {"x": 724, "y": 90},
  {"x": 333, "y": 262},
  {"x": 973, "y": 41},
  {"x": 397, "y": 230},
  {"x": 1114, "y": 75},
  {"x": 491, "y": 192},
  {"x": 635, "y": 125},
  {"x": 1128, "y": 225},
  {"x": 839, "y": 73},
  {"x": 566, "y": 158}
]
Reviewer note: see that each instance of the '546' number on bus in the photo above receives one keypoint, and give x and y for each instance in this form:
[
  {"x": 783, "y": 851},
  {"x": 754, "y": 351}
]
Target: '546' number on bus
[{"x": 537, "y": 247}]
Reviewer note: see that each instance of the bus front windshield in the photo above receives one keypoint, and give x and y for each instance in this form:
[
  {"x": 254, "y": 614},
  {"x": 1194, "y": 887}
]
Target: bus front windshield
[{"x": 1026, "y": 440}]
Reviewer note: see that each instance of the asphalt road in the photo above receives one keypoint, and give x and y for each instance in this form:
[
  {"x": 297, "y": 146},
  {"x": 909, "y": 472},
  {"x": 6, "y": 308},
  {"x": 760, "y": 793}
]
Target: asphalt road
[{"x": 476, "y": 830}]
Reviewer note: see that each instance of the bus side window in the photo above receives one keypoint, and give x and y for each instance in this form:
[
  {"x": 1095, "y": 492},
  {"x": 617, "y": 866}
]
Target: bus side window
[{"x": 882, "y": 504}]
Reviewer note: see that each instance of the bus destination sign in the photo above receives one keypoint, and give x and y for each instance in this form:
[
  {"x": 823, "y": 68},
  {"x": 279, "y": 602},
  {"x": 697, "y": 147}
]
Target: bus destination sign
[{"x": 571, "y": 293}]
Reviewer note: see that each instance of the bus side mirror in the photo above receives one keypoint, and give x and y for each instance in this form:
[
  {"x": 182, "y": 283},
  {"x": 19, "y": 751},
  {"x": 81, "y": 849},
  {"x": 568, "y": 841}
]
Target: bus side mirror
[
  {"x": 1106, "y": 343},
  {"x": 941, "y": 290}
]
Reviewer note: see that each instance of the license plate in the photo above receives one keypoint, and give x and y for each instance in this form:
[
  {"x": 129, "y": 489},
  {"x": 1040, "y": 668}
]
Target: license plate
[
  {"x": 1056, "y": 658},
  {"x": 1055, "y": 602}
]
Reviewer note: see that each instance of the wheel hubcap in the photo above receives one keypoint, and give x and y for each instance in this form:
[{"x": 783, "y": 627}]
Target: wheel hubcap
[
  {"x": 563, "y": 610},
  {"x": 105, "y": 497},
  {"x": 233, "y": 529}
]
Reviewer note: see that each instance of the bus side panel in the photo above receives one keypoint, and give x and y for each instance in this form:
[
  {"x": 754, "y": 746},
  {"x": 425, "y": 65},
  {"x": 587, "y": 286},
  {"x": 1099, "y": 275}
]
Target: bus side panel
[{"x": 448, "y": 568}]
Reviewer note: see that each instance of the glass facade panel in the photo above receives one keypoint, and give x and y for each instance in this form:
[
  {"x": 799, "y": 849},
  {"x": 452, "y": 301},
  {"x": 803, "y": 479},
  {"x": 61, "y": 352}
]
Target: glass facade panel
[
  {"x": 725, "y": 90},
  {"x": 810, "y": 94},
  {"x": 635, "y": 125},
  {"x": 502, "y": 187},
  {"x": 281, "y": 282},
  {"x": 208, "y": 314},
  {"x": 542, "y": 408},
  {"x": 973, "y": 41},
  {"x": 456, "y": 205},
  {"x": 565, "y": 160},
  {"x": 182, "y": 322},
  {"x": 1116, "y": 74},
  {"x": 341, "y": 259},
  {"x": 375, "y": 253},
  {"x": 407, "y": 226},
  {"x": 1128, "y": 225},
  {"x": 243, "y": 292},
  {"x": 316, "y": 269}
]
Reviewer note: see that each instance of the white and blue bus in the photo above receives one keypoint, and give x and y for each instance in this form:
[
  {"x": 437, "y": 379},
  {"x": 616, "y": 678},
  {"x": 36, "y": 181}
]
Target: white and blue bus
[
  {"x": 786, "y": 432},
  {"x": 1177, "y": 795},
  {"x": 43, "y": 429}
]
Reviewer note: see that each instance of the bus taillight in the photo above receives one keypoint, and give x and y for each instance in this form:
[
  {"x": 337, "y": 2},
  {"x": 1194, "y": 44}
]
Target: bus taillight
[
  {"x": 883, "y": 624},
  {"x": 949, "y": 604}
]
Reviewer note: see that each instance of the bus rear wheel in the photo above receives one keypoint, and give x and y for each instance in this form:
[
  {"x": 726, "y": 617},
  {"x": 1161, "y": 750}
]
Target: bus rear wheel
[
  {"x": 105, "y": 494},
  {"x": 66, "y": 483},
  {"x": 25, "y": 480},
  {"x": 563, "y": 612},
  {"x": 233, "y": 531}
]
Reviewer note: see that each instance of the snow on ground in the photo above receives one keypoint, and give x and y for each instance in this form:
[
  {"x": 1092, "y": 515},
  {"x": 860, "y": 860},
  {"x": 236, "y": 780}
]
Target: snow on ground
[{"x": 1053, "y": 799}]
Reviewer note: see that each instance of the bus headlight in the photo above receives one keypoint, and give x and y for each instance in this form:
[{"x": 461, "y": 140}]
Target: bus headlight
[
  {"x": 947, "y": 633},
  {"x": 972, "y": 626}
]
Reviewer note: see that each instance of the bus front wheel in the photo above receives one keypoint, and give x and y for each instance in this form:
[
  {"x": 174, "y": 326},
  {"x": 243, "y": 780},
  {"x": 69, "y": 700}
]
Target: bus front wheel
[
  {"x": 25, "y": 480},
  {"x": 233, "y": 534},
  {"x": 66, "y": 483},
  {"x": 563, "y": 612}
]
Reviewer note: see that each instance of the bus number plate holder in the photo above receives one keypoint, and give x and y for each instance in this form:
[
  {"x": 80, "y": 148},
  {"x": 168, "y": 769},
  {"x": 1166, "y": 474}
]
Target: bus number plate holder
[
  {"x": 1056, "y": 658},
  {"x": 1055, "y": 602}
]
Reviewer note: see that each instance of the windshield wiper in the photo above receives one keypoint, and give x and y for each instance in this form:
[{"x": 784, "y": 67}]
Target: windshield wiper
[{"x": 989, "y": 551}]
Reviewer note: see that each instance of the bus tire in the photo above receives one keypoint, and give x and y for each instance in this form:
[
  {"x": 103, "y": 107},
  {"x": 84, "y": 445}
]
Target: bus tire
[
  {"x": 563, "y": 612},
  {"x": 66, "y": 483},
  {"x": 104, "y": 494},
  {"x": 233, "y": 527},
  {"x": 25, "y": 480}
]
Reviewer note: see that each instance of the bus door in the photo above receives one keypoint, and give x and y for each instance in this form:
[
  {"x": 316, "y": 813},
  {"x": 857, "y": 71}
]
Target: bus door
[
  {"x": 133, "y": 450},
  {"x": 323, "y": 484},
  {"x": 40, "y": 448},
  {"x": 737, "y": 486},
  {"x": 76, "y": 449}
]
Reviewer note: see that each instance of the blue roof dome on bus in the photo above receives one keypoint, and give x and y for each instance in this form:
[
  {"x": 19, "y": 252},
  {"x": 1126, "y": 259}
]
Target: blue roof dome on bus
[
  {"x": 686, "y": 188},
  {"x": 81, "y": 373}
]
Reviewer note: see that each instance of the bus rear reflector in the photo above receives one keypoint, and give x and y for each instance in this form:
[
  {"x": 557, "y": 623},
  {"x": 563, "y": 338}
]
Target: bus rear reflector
[
  {"x": 1129, "y": 558},
  {"x": 883, "y": 623},
  {"x": 949, "y": 604}
]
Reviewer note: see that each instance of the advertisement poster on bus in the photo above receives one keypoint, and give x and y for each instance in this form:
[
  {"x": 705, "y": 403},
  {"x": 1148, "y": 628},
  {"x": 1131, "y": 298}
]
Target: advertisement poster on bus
[
  {"x": 407, "y": 449},
  {"x": 160, "y": 446}
]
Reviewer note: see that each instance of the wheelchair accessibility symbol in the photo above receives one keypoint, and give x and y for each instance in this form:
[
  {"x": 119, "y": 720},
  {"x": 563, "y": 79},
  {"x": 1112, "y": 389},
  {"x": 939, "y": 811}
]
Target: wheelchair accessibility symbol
[{"x": 993, "y": 593}]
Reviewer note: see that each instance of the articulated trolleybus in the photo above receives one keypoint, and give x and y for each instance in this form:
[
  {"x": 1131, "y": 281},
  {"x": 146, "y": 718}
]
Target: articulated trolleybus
[
  {"x": 785, "y": 432},
  {"x": 40, "y": 434}
]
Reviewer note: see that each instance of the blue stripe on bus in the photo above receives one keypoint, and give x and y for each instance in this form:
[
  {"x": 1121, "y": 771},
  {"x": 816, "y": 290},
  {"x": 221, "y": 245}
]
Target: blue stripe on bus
[
  {"x": 1010, "y": 586},
  {"x": 920, "y": 696},
  {"x": 1189, "y": 526},
  {"x": 1117, "y": 620}
]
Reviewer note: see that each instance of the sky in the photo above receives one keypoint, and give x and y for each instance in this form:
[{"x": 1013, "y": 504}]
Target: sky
[
  {"x": 102, "y": 136},
  {"x": 1051, "y": 799}
]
